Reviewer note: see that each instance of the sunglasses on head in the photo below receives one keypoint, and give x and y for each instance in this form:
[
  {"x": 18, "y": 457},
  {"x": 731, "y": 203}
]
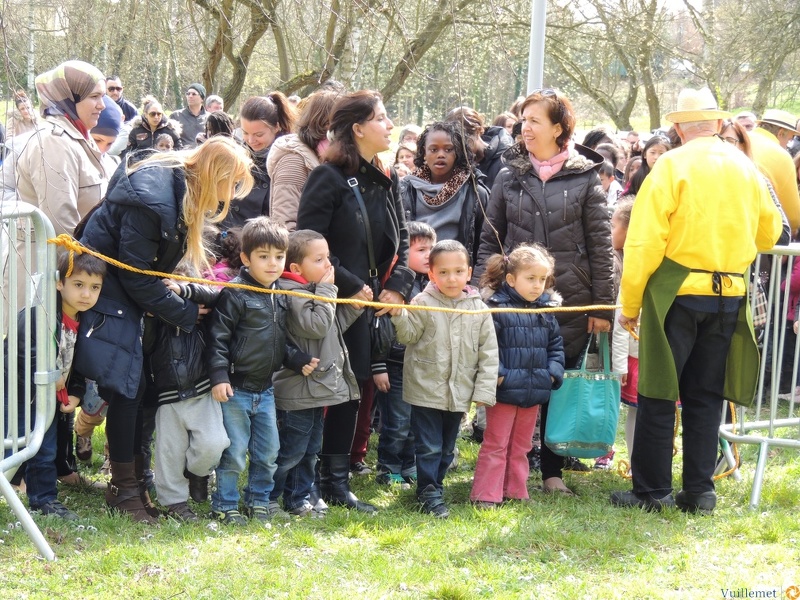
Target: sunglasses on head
[{"x": 113, "y": 88}]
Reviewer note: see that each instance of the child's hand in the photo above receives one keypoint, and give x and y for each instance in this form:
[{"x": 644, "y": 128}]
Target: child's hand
[
  {"x": 221, "y": 392},
  {"x": 74, "y": 401},
  {"x": 501, "y": 379},
  {"x": 381, "y": 381},
  {"x": 60, "y": 384},
  {"x": 796, "y": 326},
  {"x": 202, "y": 311},
  {"x": 172, "y": 286},
  {"x": 624, "y": 379},
  {"x": 364, "y": 294},
  {"x": 395, "y": 312},
  {"x": 309, "y": 368},
  {"x": 389, "y": 297},
  {"x": 328, "y": 276}
]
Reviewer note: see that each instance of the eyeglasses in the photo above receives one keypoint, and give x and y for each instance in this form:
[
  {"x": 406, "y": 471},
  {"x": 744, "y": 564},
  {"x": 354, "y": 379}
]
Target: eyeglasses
[
  {"x": 192, "y": 93},
  {"x": 732, "y": 140},
  {"x": 154, "y": 114},
  {"x": 113, "y": 88}
]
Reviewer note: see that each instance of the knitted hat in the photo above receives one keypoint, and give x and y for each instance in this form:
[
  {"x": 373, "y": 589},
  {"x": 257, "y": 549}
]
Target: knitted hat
[
  {"x": 110, "y": 121},
  {"x": 696, "y": 105},
  {"x": 198, "y": 87}
]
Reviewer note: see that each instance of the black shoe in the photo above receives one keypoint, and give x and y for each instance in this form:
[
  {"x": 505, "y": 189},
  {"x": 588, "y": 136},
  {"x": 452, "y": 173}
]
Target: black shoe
[
  {"x": 55, "y": 508},
  {"x": 643, "y": 501},
  {"x": 702, "y": 503},
  {"x": 573, "y": 464},
  {"x": 535, "y": 459},
  {"x": 198, "y": 486},
  {"x": 477, "y": 434}
]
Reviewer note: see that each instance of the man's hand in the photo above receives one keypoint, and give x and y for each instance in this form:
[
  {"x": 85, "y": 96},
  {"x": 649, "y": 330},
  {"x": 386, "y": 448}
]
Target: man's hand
[{"x": 74, "y": 401}]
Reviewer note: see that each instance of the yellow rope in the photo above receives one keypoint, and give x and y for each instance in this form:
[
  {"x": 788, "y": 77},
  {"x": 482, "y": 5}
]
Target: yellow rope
[{"x": 73, "y": 246}]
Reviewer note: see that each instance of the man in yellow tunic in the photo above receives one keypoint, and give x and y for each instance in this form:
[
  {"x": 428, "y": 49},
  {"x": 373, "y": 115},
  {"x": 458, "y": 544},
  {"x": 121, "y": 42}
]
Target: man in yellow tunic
[{"x": 698, "y": 221}]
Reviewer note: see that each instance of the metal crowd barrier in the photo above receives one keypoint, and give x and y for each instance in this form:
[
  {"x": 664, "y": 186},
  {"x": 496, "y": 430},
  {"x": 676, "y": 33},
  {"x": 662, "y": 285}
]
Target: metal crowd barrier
[
  {"x": 774, "y": 419},
  {"x": 29, "y": 264}
]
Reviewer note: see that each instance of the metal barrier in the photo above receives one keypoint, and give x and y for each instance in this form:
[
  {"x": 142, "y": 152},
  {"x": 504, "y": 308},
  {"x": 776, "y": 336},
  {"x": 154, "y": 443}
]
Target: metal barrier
[
  {"x": 772, "y": 421},
  {"x": 28, "y": 261}
]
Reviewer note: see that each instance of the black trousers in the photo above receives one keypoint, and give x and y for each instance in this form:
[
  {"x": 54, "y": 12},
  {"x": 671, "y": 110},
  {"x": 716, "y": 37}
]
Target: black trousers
[{"x": 700, "y": 342}]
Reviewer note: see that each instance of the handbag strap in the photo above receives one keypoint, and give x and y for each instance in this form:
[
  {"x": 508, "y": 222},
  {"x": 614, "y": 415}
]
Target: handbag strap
[
  {"x": 603, "y": 347},
  {"x": 373, "y": 269}
]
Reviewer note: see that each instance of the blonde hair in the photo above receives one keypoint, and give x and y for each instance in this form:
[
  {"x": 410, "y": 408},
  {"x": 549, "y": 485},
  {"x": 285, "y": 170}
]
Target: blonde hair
[
  {"x": 216, "y": 172},
  {"x": 523, "y": 256}
]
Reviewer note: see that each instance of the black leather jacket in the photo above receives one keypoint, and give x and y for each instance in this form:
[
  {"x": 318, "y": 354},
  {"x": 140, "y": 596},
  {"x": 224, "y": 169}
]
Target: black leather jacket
[{"x": 247, "y": 337}]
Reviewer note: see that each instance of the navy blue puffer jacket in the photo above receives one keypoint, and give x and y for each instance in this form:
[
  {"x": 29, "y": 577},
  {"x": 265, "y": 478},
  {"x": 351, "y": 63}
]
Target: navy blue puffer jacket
[{"x": 531, "y": 349}]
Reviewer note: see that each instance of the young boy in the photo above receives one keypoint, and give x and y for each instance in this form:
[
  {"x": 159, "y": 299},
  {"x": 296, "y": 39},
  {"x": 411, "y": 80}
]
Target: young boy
[
  {"x": 247, "y": 344},
  {"x": 451, "y": 360},
  {"x": 396, "y": 459},
  {"x": 76, "y": 293},
  {"x": 611, "y": 186},
  {"x": 316, "y": 328}
]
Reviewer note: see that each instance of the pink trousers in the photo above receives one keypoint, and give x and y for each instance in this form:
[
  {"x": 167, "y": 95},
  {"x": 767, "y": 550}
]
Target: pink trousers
[{"x": 502, "y": 468}]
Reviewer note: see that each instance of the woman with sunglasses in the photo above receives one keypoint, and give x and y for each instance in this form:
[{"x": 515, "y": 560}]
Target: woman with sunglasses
[
  {"x": 549, "y": 192},
  {"x": 147, "y": 127}
]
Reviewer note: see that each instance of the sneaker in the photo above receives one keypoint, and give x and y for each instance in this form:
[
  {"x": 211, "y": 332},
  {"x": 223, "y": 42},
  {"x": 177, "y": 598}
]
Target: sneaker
[
  {"x": 76, "y": 479},
  {"x": 485, "y": 505},
  {"x": 304, "y": 510},
  {"x": 385, "y": 478},
  {"x": 106, "y": 468},
  {"x": 56, "y": 509},
  {"x": 182, "y": 512},
  {"x": 573, "y": 464},
  {"x": 83, "y": 448},
  {"x": 360, "y": 468},
  {"x": 702, "y": 503},
  {"x": 436, "y": 509},
  {"x": 643, "y": 501},
  {"x": 229, "y": 517},
  {"x": 266, "y": 513},
  {"x": 605, "y": 462}
]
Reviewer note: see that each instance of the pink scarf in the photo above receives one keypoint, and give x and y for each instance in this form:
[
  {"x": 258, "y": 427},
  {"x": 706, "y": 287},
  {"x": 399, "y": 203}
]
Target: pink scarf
[{"x": 548, "y": 168}]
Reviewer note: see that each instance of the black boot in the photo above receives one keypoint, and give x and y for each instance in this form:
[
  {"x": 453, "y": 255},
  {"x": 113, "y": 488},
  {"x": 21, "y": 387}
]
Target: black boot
[
  {"x": 314, "y": 498},
  {"x": 138, "y": 462},
  {"x": 334, "y": 485},
  {"x": 198, "y": 486}
]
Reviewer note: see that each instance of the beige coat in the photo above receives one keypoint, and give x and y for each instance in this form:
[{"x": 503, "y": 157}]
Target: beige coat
[
  {"x": 288, "y": 164},
  {"x": 451, "y": 358}
]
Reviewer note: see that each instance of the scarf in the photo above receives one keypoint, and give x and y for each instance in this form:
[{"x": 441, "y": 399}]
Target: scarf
[
  {"x": 548, "y": 168},
  {"x": 436, "y": 194},
  {"x": 63, "y": 87}
]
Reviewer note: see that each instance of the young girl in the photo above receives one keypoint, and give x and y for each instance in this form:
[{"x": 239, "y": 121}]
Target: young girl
[
  {"x": 227, "y": 248},
  {"x": 443, "y": 191},
  {"x": 624, "y": 348},
  {"x": 531, "y": 365},
  {"x": 653, "y": 149}
]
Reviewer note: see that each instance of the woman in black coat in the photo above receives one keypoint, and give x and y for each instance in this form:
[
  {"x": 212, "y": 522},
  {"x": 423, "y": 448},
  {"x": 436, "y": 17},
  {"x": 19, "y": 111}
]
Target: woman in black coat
[
  {"x": 360, "y": 130},
  {"x": 151, "y": 219}
]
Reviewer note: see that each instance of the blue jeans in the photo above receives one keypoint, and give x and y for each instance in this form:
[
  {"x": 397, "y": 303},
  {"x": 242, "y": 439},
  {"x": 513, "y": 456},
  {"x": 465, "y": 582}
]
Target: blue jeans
[
  {"x": 435, "y": 433},
  {"x": 250, "y": 423},
  {"x": 396, "y": 441},
  {"x": 301, "y": 440}
]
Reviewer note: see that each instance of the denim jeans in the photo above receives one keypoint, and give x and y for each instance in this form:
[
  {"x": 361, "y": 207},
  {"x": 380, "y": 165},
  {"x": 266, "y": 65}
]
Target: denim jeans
[
  {"x": 435, "y": 433},
  {"x": 250, "y": 423},
  {"x": 396, "y": 441},
  {"x": 301, "y": 440}
]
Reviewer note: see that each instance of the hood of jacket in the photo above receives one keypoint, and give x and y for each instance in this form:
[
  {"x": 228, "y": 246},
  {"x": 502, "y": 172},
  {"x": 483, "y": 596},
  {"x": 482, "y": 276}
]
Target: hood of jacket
[
  {"x": 581, "y": 159},
  {"x": 497, "y": 141},
  {"x": 176, "y": 127},
  {"x": 161, "y": 189},
  {"x": 290, "y": 144}
]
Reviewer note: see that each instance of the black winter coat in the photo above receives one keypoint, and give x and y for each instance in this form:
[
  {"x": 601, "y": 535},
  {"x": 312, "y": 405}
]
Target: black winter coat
[
  {"x": 569, "y": 215},
  {"x": 176, "y": 358},
  {"x": 328, "y": 206},
  {"x": 247, "y": 337},
  {"x": 142, "y": 137},
  {"x": 497, "y": 141},
  {"x": 256, "y": 203},
  {"x": 531, "y": 349},
  {"x": 139, "y": 224}
]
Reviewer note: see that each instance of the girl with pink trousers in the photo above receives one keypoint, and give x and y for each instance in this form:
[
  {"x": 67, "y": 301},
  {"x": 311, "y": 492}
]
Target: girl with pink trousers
[{"x": 531, "y": 365}]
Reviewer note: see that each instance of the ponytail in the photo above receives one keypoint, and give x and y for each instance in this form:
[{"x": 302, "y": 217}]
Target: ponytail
[{"x": 495, "y": 273}]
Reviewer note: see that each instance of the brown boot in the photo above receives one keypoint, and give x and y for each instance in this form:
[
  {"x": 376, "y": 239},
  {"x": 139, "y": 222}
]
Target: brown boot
[
  {"x": 123, "y": 495},
  {"x": 138, "y": 462}
]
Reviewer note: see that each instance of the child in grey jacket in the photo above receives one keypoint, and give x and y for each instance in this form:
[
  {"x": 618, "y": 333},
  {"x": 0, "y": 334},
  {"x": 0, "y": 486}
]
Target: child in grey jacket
[
  {"x": 316, "y": 328},
  {"x": 451, "y": 360}
]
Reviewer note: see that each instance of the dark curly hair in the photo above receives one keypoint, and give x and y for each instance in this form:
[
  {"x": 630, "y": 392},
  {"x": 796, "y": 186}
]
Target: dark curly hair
[{"x": 464, "y": 154}]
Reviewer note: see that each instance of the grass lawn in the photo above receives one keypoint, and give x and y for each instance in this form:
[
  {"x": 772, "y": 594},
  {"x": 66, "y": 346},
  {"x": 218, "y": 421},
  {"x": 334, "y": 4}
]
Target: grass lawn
[{"x": 550, "y": 547}]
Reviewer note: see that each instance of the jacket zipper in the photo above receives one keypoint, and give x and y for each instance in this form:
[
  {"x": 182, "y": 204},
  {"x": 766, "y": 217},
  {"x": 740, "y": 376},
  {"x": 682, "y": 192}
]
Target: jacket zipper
[{"x": 564, "y": 217}]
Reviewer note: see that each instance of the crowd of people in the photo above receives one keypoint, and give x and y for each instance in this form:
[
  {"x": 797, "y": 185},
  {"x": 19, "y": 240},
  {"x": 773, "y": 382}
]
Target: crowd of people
[{"x": 293, "y": 196}]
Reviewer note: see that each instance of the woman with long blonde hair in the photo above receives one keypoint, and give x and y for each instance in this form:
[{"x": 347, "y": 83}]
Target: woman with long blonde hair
[{"x": 152, "y": 219}]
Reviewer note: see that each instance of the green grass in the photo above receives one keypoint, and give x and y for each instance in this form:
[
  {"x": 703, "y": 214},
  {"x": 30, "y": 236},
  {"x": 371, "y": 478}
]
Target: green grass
[{"x": 550, "y": 547}]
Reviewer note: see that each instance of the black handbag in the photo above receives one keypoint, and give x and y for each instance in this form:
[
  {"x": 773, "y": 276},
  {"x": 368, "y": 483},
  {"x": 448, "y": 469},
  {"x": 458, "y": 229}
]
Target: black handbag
[{"x": 381, "y": 330}]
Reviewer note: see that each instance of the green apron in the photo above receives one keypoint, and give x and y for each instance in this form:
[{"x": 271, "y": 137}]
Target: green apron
[{"x": 658, "y": 377}]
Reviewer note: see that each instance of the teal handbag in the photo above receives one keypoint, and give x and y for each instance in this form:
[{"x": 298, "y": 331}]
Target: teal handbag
[{"x": 583, "y": 412}]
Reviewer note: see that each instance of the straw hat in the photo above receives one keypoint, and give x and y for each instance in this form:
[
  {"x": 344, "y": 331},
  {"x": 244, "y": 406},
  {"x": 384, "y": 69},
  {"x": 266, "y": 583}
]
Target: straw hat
[
  {"x": 696, "y": 105},
  {"x": 781, "y": 118}
]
